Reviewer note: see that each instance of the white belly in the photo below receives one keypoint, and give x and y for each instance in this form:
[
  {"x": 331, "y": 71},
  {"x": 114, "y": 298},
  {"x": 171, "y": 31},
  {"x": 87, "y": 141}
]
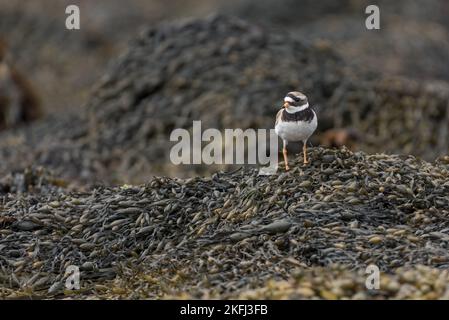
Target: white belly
[{"x": 296, "y": 131}]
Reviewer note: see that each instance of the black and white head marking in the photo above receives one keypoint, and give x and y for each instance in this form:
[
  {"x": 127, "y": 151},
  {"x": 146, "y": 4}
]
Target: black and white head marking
[{"x": 296, "y": 99}]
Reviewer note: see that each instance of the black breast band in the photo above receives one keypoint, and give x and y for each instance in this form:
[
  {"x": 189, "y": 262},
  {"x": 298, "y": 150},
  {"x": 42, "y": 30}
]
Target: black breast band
[{"x": 303, "y": 115}]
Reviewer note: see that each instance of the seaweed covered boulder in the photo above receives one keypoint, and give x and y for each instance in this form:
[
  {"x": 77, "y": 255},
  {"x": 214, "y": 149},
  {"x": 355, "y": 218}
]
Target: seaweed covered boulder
[
  {"x": 220, "y": 70},
  {"x": 232, "y": 74},
  {"x": 411, "y": 42},
  {"x": 228, "y": 74},
  {"x": 393, "y": 115}
]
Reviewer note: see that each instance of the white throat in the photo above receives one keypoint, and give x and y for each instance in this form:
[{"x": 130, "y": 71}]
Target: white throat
[{"x": 292, "y": 109}]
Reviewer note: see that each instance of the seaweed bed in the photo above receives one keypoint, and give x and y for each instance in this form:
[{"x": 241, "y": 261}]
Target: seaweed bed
[{"x": 235, "y": 234}]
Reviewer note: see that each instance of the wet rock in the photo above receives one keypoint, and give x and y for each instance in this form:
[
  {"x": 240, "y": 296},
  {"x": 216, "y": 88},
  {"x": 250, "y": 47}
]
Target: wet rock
[{"x": 25, "y": 225}]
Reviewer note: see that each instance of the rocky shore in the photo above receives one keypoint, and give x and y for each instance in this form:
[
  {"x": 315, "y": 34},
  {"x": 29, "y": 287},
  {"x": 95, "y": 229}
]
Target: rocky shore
[{"x": 90, "y": 184}]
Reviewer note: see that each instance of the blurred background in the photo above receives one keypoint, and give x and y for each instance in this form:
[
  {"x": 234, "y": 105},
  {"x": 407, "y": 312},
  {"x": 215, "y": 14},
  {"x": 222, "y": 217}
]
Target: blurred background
[{"x": 98, "y": 104}]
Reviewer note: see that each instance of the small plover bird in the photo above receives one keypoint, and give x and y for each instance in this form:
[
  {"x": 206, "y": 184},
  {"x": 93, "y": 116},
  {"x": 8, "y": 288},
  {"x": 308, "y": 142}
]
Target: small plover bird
[{"x": 296, "y": 121}]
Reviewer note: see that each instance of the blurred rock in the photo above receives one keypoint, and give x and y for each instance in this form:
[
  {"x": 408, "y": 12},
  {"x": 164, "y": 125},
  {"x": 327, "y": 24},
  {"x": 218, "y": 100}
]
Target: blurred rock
[
  {"x": 337, "y": 138},
  {"x": 392, "y": 115},
  {"x": 30, "y": 180},
  {"x": 229, "y": 74},
  {"x": 67, "y": 63},
  {"x": 412, "y": 41},
  {"x": 18, "y": 101},
  {"x": 219, "y": 75},
  {"x": 220, "y": 70}
]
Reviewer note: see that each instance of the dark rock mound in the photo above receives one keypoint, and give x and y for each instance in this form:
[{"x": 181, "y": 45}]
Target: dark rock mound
[
  {"x": 228, "y": 74},
  {"x": 393, "y": 115},
  {"x": 222, "y": 71},
  {"x": 412, "y": 40},
  {"x": 63, "y": 64}
]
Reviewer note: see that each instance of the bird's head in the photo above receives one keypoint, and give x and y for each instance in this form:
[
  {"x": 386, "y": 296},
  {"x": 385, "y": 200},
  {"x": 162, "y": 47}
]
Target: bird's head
[{"x": 295, "y": 99}]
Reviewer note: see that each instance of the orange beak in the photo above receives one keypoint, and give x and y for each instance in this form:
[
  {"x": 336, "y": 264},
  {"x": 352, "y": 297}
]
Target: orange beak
[{"x": 286, "y": 105}]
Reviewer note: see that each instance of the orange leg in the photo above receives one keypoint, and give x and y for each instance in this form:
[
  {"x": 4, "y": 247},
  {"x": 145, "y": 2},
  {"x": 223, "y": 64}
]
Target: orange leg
[
  {"x": 304, "y": 151},
  {"x": 284, "y": 151}
]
